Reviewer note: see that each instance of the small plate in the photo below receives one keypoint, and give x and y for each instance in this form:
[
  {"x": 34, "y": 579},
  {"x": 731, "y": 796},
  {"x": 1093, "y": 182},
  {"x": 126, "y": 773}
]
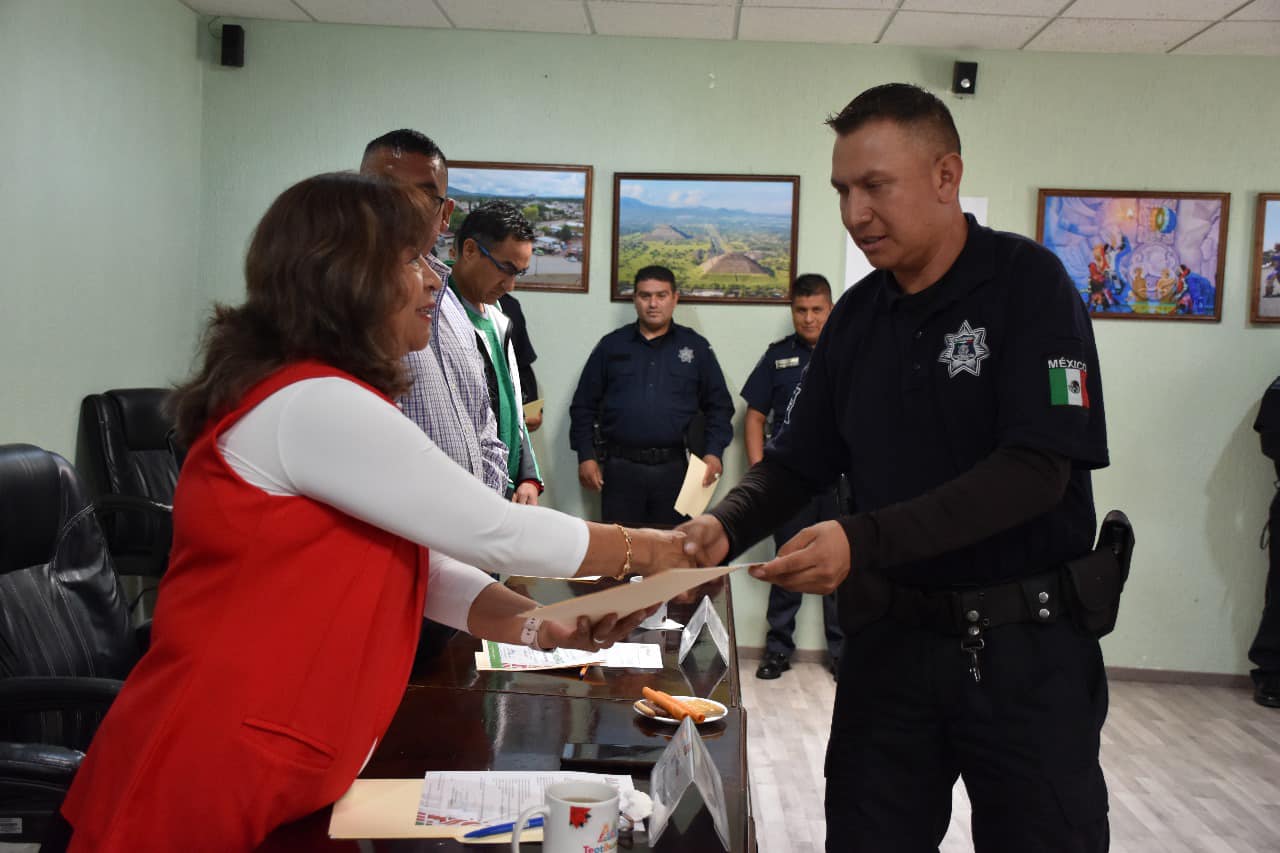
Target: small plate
[{"x": 719, "y": 714}]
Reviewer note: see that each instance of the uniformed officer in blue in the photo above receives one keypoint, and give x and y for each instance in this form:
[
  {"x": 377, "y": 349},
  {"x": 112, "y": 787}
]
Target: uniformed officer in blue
[
  {"x": 642, "y": 387},
  {"x": 958, "y": 387},
  {"x": 768, "y": 391}
]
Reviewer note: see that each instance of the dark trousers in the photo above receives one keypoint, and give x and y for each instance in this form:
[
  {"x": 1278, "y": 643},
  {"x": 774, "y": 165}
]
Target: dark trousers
[
  {"x": 784, "y": 604},
  {"x": 1265, "y": 651},
  {"x": 636, "y": 493},
  {"x": 909, "y": 719}
]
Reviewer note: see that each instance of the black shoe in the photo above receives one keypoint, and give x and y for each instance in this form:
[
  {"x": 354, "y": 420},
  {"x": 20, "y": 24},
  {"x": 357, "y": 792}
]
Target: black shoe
[
  {"x": 1267, "y": 693},
  {"x": 833, "y": 665},
  {"x": 773, "y": 665}
]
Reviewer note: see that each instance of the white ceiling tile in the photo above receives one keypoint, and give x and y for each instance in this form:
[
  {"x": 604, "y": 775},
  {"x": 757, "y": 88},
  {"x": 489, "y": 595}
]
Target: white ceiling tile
[
  {"x": 681, "y": 2},
  {"x": 840, "y": 26},
  {"x": 1086, "y": 35},
  {"x": 276, "y": 10},
  {"x": 662, "y": 20},
  {"x": 1237, "y": 38},
  {"x": 387, "y": 13},
  {"x": 825, "y": 4},
  {"x": 1152, "y": 10},
  {"x": 962, "y": 32},
  {"x": 534, "y": 16},
  {"x": 1031, "y": 8},
  {"x": 1259, "y": 10}
]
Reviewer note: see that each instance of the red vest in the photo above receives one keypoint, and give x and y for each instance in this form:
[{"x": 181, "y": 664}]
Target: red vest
[{"x": 282, "y": 641}]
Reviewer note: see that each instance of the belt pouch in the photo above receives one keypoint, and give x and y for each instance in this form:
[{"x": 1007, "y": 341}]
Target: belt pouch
[{"x": 1093, "y": 587}]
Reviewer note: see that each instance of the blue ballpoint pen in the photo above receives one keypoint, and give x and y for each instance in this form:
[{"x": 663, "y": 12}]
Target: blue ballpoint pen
[{"x": 499, "y": 828}]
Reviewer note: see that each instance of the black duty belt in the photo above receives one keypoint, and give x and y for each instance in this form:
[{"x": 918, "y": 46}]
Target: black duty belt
[
  {"x": 958, "y": 612},
  {"x": 647, "y": 455},
  {"x": 970, "y": 613}
]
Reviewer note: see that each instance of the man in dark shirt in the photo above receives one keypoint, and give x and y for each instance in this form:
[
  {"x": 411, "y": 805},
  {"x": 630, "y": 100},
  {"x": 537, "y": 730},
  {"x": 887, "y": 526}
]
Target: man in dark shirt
[
  {"x": 768, "y": 392},
  {"x": 958, "y": 387},
  {"x": 642, "y": 388},
  {"x": 1265, "y": 650}
]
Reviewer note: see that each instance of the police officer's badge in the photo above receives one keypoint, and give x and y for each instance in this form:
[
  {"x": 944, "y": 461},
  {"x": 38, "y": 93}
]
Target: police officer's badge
[
  {"x": 965, "y": 350},
  {"x": 686, "y": 354}
]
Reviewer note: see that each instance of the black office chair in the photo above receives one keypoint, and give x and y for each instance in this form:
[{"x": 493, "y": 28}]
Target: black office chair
[
  {"x": 65, "y": 638},
  {"x": 127, "y": 459}
]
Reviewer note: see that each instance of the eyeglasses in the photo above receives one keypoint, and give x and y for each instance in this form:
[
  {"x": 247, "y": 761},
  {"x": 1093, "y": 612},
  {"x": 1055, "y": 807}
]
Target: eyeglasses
[
  {"x": 504, "y": 267},
  {"x": 438, "y": 199}
]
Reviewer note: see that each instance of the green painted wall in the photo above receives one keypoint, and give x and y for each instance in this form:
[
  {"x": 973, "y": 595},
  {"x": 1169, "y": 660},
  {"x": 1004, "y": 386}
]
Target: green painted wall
[{"x": 99, "y": 205}]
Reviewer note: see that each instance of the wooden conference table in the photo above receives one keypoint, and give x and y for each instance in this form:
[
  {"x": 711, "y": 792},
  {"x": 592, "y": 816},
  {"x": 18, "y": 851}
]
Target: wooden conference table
[{"x": 455, "y": 718}]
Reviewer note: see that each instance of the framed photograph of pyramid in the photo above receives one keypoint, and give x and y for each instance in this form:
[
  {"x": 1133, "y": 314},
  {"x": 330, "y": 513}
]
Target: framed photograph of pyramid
[{"x": 727, "y": 238}]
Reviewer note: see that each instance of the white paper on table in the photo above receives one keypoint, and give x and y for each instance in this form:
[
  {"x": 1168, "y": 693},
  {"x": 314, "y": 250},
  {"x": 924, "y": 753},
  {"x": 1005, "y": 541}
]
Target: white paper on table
[
  {"x": 686, "y": 761},
  {"x": 694, "y": 496},
  {"x": 630, "y": 597},
  {"x": 468, "y": 799},
  {"x": 705, "y": 617},
  {"x": 500, "y": 656}
]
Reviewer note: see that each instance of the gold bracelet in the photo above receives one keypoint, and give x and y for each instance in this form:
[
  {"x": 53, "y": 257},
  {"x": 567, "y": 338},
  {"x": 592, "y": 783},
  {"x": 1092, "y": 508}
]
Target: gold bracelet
[{"x": 626, "y": 565}]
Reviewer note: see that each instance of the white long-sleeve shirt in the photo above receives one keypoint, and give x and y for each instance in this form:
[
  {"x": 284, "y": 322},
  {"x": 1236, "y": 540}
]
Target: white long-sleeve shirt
[{"x": 331, "y": 440}]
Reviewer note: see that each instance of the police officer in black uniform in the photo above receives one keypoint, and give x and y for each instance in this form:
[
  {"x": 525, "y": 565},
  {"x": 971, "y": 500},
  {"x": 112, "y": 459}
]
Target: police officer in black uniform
[
  {"x": 1265, "y": 650},
  {"x": 641, "y": 389},
  {"x": 767, "y": 391},
  {"x": 958, "y": 387}
]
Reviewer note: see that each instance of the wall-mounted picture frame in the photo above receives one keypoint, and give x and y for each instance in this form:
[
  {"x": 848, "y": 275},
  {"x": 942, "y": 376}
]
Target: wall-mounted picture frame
[
  {"x": 728, "y": 238},
  {"x": 1140, "y": 255},
  {"x": 1264, "y": 307},
  {"x": 556, "y": 199}
]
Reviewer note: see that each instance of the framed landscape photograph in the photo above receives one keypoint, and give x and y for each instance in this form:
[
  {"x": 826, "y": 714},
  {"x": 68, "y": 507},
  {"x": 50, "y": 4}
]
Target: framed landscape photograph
[
  {"x": 1265, "y": 261},
  {"x": 1140, "y": 255},
  {"x": 556, "y": 199},
  {"x": 727, "y": 238}
]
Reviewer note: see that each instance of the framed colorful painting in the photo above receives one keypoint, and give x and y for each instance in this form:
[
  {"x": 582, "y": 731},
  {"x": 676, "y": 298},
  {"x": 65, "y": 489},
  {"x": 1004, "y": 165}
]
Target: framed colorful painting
[
  {"x": 1140, "y": 255},
  {"x": 1265, "y": 261},
  {"x": 555, "y": 199},
  {"x": 728, "y": 238}
]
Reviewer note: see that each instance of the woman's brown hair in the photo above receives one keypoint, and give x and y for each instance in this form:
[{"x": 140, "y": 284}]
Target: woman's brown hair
[{"x": 322, "y": 277}]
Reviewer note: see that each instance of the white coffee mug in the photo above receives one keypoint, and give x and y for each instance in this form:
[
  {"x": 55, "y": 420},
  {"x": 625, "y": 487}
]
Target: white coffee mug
[{"x": 578, "y": 817}]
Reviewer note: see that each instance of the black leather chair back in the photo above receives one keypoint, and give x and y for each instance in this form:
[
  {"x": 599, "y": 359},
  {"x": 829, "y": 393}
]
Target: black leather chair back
[
  {"x": 62, "y": 611},
  {"x": 123, "y": 448}
]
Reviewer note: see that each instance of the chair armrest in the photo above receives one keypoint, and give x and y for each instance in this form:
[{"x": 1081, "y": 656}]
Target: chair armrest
[
  {"x": 36, "y": 768},
  {"x": 27, "y": 694},
  {"x": 142, "y": 547}
]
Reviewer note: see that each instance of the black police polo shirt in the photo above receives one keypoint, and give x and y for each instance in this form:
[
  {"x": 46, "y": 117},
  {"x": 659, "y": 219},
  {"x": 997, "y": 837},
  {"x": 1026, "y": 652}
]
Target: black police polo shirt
[
  {"x": 774, "y": 379},
  {"x": 906, "y": 392},
  {"x": 645, "y": 392}
]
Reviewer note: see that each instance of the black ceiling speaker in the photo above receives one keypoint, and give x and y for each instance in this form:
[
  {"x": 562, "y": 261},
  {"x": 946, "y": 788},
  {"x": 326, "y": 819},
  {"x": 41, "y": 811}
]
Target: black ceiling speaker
[
  {"x": 233, "y": 45},
  {"x": 964, "y": 78}
]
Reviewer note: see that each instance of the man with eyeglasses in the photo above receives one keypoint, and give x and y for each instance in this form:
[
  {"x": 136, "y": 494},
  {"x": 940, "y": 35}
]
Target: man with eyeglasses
[
  {"x": 493, "y": 247},
  {"x": 644, "y": 388},
  {"x": 449, "y": 398}
]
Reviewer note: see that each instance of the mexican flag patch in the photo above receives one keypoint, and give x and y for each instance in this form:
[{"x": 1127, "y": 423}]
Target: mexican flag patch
[{"x": 1068, "y": 383}]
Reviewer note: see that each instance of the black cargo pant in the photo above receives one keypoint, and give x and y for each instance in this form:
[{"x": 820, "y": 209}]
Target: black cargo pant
[
  {"x": 909, "y": 719},
  {"x": 1265, "y": 651},
  {"x": 785, "y": 604}
]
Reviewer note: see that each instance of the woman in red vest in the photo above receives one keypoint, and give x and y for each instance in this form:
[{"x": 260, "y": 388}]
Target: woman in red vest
[{"x": 287, "y": 621}]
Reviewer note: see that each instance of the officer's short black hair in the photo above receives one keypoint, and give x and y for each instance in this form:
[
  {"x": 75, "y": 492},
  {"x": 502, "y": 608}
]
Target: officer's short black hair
[
  {"x": 902, "y": 103},
  {"x": 407, "y": 141},
  {"x": 493, "y": 222},
  {"x": 656, "y": 272},
  {"x": 810, "y": 284}
]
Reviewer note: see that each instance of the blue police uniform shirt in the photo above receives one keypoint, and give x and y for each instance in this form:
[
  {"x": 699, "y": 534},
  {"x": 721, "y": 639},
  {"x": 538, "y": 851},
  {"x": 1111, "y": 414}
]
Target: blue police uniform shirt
[
  {"x": 774, "y": 378},
  {"x": 906, "y": 392},
  {"x": 646, "y": 392}
]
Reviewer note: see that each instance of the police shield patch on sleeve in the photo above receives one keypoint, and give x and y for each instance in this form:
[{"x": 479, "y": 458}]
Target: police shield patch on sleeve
[{"x": 1068, "y": 380}]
